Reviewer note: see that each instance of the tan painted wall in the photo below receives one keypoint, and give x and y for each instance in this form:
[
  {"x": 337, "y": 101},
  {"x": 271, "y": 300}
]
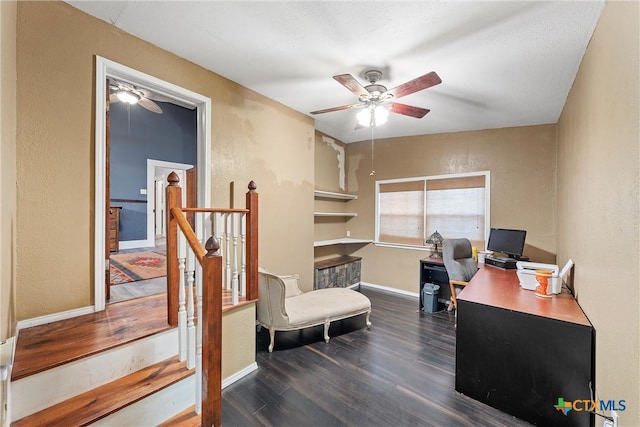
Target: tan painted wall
[
  {"x": 330, "y": 175},
  {"x": 7, "y": 168},
  {"x": 522, "y": 164},
  {"x": 239, "y": 347},
  {"x": 252, "y": 138},
  {"x": 330, "y": 164},
  {"x": 598, "y": 206}
]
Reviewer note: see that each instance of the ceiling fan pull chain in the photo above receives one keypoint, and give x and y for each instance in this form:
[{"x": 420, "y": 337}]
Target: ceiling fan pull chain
[
  {"x": 129, "y": 120},
  {"x": 373, "y": 172}
]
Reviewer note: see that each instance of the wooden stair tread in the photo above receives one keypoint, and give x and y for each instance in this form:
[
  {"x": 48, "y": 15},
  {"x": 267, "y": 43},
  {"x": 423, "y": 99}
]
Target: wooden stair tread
[
  {"x": 186, "y": 418},
  {"x": 95, "y": 404},
  {"x": 46, "y": 346}
]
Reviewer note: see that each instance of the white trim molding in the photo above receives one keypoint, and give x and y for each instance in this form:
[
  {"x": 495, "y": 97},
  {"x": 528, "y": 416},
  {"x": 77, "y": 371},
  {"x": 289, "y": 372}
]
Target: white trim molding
[
  {"x": 152, "y": 164},
  {"x": 55, "y": 317},
  {"x": 389, "y": 290},
  {"x": 239, "y": 375},
  {"x": 106, "y": 68}
]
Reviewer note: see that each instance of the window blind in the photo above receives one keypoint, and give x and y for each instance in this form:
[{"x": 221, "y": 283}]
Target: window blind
[
  {"x": 409, "y": 211},
  {"x": 401, "y": 212}
]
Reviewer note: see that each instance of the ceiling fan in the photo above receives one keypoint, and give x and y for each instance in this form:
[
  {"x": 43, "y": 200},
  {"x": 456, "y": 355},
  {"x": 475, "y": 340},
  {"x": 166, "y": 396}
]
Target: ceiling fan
[
  {"x": 126, "y": 92},
  {"x": 378, "y": 101}
]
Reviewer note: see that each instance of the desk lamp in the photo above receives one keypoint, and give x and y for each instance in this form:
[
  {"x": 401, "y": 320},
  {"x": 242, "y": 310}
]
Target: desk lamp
[{"x": 435, "y": 239}]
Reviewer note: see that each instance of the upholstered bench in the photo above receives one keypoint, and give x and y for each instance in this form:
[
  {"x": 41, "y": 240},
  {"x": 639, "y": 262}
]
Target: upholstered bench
[{"x": 283, "y": 307}]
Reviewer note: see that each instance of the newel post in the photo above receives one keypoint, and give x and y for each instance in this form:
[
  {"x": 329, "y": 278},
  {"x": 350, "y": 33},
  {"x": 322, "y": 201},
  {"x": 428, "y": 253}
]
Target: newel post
[
  {"x": 173, "y": 200},
  {"x": 252, "y": 242},
  {"x": 211, "y": 335}
]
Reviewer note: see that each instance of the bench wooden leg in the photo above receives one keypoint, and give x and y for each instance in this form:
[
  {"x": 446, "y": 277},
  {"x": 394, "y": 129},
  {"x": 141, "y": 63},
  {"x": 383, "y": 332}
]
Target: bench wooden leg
[
  {"x": 367, "y": 320},
  {"x": 272, "y": 336},
  {"x": 326, "y": 330}
]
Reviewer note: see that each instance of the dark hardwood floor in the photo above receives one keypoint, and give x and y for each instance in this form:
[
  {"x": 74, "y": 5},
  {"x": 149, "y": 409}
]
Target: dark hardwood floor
[{"x": 398, "y": 373}]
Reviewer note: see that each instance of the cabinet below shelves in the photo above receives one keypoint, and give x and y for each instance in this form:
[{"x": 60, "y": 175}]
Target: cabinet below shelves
[{"x": 337, "y": 272}]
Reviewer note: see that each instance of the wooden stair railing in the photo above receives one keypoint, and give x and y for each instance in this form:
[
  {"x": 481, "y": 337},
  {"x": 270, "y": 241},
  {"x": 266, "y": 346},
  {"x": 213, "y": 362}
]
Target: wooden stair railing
[{"x": 205, "y": 345}]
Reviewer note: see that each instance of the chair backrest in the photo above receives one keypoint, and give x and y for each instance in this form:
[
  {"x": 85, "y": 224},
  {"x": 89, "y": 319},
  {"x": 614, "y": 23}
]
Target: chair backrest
[{"x": 458, "y": 259}]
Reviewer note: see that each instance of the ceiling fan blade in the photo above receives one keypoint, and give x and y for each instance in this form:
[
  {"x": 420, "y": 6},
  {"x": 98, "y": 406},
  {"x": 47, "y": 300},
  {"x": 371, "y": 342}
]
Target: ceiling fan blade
[
  {"x": 150, "y": 105},
  {"x": 415, "y": 85},
  {"x": 348, "y": 81},
  {"x": 342, "y": 107},
  {"x": 408, "y": 110},
  {"x": 121, "y": 85},
  {"x": 156, "y": 97}
]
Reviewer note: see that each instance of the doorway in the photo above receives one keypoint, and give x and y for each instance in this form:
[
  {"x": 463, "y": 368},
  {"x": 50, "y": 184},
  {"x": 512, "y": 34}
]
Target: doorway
[
  {"x": 157, "y": 173},
  {"x": 108, "y": 69},
  {"x": 138, "y": 268}
]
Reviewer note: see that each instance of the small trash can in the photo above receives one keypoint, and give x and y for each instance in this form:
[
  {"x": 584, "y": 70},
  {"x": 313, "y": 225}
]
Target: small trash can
[{"x": 430, "y": 297}]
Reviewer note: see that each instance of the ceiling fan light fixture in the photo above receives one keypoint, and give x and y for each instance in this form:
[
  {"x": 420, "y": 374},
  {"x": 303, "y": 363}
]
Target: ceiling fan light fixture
[
  {"x": 128, "y": 97},
  {"x": 373, "y": 116}
]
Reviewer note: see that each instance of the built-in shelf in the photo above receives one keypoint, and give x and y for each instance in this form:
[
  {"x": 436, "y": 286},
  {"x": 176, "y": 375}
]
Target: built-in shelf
[
  {"x": 331, "y": 195},
  {"x": 349, "y": 214},
  {"x": 344, "y": 217},
  {"x": 342, "y": 241}
]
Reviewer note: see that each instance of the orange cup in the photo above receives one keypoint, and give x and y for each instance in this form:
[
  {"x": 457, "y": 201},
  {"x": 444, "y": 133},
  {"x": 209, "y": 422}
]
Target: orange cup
[{"x": 542, "y": 277}]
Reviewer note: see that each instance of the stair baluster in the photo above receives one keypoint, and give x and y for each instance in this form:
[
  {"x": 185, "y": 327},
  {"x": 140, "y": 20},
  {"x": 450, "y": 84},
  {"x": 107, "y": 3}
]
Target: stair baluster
[
  {"x": 216, "y": 270},
  {"x": 243, "y": 254},
  {"x": 227, "y": 258},
  {"x": 191, "y": 331},
  {"x": 182, "y": 311}
]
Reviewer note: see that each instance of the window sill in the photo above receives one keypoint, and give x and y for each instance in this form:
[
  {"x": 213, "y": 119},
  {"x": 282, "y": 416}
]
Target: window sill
[{"x": 400, "y": 246}]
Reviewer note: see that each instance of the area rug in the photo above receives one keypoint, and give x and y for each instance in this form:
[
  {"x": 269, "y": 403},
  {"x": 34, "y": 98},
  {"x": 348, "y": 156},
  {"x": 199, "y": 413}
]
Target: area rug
[{"x": 135, "y": 266}]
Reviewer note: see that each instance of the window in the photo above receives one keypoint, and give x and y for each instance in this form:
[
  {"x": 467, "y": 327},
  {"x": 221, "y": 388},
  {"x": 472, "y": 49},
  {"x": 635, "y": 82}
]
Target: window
[{"x": 410, "y": 210}]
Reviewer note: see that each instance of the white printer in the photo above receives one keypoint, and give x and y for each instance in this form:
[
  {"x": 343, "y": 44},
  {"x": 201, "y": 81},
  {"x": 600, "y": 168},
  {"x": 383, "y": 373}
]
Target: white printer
[{"x": 527, "y": 271}]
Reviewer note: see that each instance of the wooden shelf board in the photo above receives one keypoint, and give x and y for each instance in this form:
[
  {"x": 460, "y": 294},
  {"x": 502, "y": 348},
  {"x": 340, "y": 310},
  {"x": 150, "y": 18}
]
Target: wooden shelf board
[
  {"x": 347, "y": 214},
  {"x": 342, "y": 241},
  {"x": 332, "y": 195}
]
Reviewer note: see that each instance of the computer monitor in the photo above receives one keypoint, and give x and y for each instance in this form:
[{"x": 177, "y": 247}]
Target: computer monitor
[{"x": 508, "y": 242}]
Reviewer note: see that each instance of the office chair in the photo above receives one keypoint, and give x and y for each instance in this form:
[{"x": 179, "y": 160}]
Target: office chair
[{"x": 461, "y": 267}]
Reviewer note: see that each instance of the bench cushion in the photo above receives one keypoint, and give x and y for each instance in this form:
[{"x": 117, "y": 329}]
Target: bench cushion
[{"x": 325, "y": 304}]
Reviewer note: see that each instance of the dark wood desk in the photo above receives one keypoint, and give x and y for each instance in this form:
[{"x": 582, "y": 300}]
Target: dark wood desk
[{"x": 519, "y": 353}]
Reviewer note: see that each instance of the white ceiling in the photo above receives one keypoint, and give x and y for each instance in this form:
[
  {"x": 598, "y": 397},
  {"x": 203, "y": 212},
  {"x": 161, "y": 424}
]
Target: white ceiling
[{"x": 502, "y": 63}]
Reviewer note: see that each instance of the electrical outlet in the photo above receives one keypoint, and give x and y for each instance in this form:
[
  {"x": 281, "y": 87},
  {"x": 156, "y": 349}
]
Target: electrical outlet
[{"x": 613, "y": 422}]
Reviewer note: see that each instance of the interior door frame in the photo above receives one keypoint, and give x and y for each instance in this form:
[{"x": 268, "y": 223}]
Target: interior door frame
[
  {"x": 151, "y": 202},
  {"x": 106, "y": 68}
]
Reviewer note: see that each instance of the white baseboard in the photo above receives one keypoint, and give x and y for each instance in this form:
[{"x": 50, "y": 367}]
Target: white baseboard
[
  {"x": 135, "y": 244},
  {"x": 55, "y": 317},
  {"x": 239, "y": 375},
  {"x": 7, "y": 352},
  {"x": 389, "y": 290}
]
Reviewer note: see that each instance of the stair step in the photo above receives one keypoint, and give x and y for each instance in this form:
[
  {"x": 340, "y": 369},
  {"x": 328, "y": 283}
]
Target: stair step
[
  {"x": 46, "y": 346},
  {"x": 186, "y": 418},
  {"x": 95, "y": 404}
]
